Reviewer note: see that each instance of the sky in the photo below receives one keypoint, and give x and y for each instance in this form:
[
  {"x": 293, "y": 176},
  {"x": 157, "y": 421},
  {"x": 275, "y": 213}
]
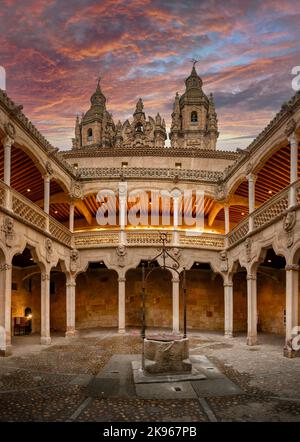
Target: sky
[{"x": 53, "y": 51}]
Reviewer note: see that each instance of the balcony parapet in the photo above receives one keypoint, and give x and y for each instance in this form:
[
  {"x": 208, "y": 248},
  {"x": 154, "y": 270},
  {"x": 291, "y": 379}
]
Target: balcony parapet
[{"x": 149, "y": 174}]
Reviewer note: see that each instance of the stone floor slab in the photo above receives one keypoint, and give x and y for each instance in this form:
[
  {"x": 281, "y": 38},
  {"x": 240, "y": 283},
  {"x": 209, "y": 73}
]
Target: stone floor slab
[
  {"x": 216, "y": 387},
  {"x": 169, "y": 390}
]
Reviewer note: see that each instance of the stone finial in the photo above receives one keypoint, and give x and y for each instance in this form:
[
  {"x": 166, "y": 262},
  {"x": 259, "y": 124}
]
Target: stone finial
[
  {"x": 49, "y": 249},
  {"x": 74, "y": 256}
]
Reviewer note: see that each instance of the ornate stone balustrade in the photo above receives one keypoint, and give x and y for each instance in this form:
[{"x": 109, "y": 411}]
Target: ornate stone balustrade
[
  {"x": 28, "y": 211},
  {"x": 149, "y": 173},
  {"x": 267, "y": 213},
  {"x": 146, "y": 238},
  {"x": 204, "y": 240},
  {"x": 92, "y": 239},
  {"x": 271, "y": 209},
  {"x": 238, "y": 232},
  {"x": 142, "y": 238},
  {"x": 25, "y": 210},
  {"x": 60, "y": 232}
]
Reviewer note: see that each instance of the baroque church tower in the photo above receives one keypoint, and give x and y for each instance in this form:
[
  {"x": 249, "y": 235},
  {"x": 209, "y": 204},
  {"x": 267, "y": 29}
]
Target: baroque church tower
[
  {"x": 194, "y": 119},
  {"x": 96, "y": 127}
]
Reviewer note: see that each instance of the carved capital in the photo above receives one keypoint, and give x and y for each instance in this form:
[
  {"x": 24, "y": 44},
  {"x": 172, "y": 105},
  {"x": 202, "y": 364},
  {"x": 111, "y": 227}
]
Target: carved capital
[
  {"x": 5, "y": 267},
  {"x": 10, "y": 130},
  {"x": 71, "y": 284},
  {"x": 249, "y": 168},
  {"x": 45, "y": 276},
  {"x": 293, "y": 267},
  {"x": 228, "y": 284},
  {"x": 121, "y": 279},
  {"x": 251, "y": 277},
  {"x": 48, "y": 167}
]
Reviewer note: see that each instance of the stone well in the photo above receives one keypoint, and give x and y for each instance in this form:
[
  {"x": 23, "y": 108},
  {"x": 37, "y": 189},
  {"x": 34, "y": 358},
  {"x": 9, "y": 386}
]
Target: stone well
[{"x": 166, "y": 355}]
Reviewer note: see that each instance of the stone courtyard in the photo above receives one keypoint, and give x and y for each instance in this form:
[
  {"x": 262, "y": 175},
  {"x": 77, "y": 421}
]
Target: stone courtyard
[{"x": 89, "y": 378}]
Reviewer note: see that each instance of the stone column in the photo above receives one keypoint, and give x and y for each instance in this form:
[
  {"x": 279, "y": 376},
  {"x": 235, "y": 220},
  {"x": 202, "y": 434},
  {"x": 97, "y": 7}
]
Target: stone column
[
  {"x": 291, "y": 283},
  {"x": 176, "y": 217},
  {"x": 175, "y": 299},
  {"x": 252, "y": 309},
  {"x": 5, "y": 309},
  {"x": 7, "y": 144},
  {"x": 70, "y": 308},
  {"x": 47, "y": 193},
  {"x": 71, "y": 216},
  {"x": 251, "y": 198},
  {"x": 293, "y": 168},
  {"x": 228, "y": 309},
  {"x": 45, "y": 308},
  {"x": 121, "y": 305},
  {"x": 227, "y": 222},
  {"x": 122, "y": 211}
]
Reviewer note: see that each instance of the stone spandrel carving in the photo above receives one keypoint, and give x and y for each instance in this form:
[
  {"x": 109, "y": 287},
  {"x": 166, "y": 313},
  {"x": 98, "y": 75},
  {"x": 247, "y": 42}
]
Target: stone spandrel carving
[
  {"x": 121, "y": 254},
  {"x": 8, "y": 229},
  {"x": 220, "y": 194},
  {"x": 49, "y": 249},
  {"x": 49, "y": 168},
  {"x": 289, "y": 222},
  {"x": 248, "y": 249},
  {"x": 10, "y": 130},
  {"x": 224, "y": 261},
  {"x": 76, "y": 191},
  {"x": 74, "y": 256}
]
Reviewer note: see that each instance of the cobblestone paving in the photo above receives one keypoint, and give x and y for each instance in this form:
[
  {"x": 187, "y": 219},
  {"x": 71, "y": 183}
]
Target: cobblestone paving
[{"x": 38, "y": 385}]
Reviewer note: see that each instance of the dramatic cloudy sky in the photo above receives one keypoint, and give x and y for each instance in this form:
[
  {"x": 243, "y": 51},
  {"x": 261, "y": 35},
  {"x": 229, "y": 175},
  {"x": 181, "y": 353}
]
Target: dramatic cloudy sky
[{"x": 54, "y": 50}]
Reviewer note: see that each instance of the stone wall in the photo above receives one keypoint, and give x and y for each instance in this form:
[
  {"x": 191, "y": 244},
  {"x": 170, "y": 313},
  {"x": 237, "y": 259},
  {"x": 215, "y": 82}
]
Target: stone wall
[
  {"x": 158, "y": 299},
  {"x": 97, "y": 299},
  {"x": 22, "y": 297},
  {"x": 205, "y": 300},
  {"x": 58, "y": 302},
  {"x": 271, "y": 300}
]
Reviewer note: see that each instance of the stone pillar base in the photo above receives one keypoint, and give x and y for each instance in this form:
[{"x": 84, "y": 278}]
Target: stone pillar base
[
  {"x": 121, "y": 331},
  {"x": 71, "y": 334},
  {"x": 288, "y": 352},
  {"x": 252, "y": 340},
  {"x": 45, "y": 340},
  {"x": 228, "y": 335},
  {"x": 6, "y": 352}
]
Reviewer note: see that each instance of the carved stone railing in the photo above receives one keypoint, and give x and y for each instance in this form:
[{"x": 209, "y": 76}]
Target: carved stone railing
[
  {"x": 149, "y": 173},
  {"x": 266, "y": 214},
  {"x": 28, "y": 212},
  {"x": 60, "y": 232},
  {"x": 144, "y": 238},
  {"x": 204, "y": 240},
  {"x": 238, "y": 232},
  {"x": 92, "y": 239},
  {"x": 271, "y": 209}
]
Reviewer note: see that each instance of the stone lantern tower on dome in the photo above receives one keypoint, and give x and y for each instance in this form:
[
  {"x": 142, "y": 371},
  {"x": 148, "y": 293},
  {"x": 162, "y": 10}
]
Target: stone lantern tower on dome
[
  {"x": 194, "y": 119},
  {"x": 96, "y": 127}
]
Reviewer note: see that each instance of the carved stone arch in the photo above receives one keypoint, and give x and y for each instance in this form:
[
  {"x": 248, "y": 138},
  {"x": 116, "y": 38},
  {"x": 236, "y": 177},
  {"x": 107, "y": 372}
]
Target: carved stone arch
[
  {"x": 37, "y": 159},
  {"x": 236, "y": 182},
  {"x": 265, "y": 155}
]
